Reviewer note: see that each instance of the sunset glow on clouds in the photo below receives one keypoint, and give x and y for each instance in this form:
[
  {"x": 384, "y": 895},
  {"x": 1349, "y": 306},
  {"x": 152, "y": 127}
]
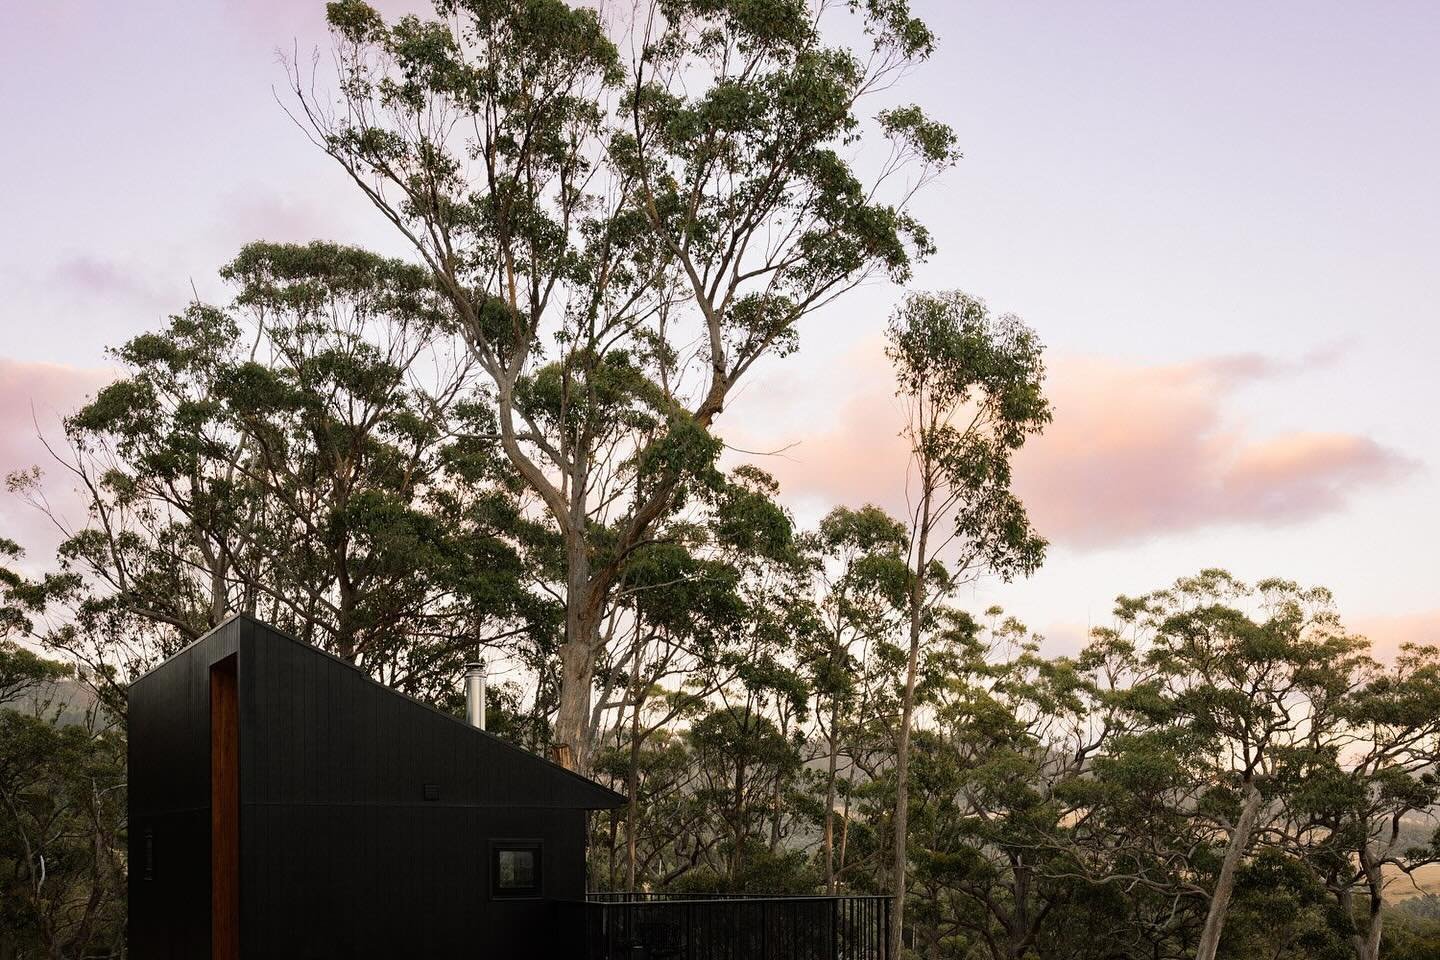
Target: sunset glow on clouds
[
  {"x": 1135, "y": 450},
  {"x": 1138, "y": 450}
]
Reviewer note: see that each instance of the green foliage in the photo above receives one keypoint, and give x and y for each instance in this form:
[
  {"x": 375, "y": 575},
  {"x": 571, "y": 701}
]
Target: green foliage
[
  {"x": 512, "y": 443},
  {"x": 305, "y": 453},
  {"x": 623, "y": 227},
  {"x": 22, "y": 672},
  {"x": 1281, "y": 911},
  {"x": 62, "y": 862},
  {"x": 971, "y": 384},
  {"x": 1412, "y": 940},
  {"x": 974, "y": 382}
]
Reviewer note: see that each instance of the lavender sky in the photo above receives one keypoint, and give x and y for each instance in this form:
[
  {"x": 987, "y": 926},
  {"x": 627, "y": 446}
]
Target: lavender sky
[{"x": 1222, "y": 218}]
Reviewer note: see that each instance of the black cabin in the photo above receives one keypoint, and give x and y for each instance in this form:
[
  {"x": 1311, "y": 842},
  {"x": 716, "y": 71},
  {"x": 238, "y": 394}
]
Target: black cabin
[{"x": 285, "y": 805}]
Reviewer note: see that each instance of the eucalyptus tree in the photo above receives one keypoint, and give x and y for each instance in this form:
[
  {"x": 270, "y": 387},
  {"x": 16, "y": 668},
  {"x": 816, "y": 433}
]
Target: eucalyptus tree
[
  {"x": 719, "y": 590},
  {"x": 692, "y": 602},
  {"x": 747, "y": 743},
  {"x": 1009, "y": 732},
  {"x": 310, "y": 452},
  {"x": 62, "y": 803},
  {"x": 671, "y": 832},
  {"x": 22, "y": 671},
  {"x": 1239, "y": 688},
  {"x": 1365, "y": 814},
  {"x": 680, "y": 605},
  {"x": 861, "y": 578},
  {"x": 622, "y": 238},
  {"x": 13, "y": 602},
  {"x": 62, "y": 822},
  {"x": 1280, "y": 911},
  {"x": 972, "y": 384}
]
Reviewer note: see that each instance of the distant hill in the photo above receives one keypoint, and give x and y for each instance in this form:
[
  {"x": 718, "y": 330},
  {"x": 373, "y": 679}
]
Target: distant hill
[{"x": 73, "y": 701}]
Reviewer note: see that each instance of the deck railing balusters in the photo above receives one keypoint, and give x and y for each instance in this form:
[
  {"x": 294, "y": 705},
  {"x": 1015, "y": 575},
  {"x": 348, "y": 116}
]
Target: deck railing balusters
[{"x": 733, "y": 927}]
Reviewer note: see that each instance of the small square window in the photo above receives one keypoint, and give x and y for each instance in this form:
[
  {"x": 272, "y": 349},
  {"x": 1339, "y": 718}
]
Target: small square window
[{"x": 515, "y": 868}]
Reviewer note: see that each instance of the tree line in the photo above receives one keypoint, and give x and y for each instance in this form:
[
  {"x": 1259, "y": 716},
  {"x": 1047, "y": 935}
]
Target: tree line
[
  {"x": 1223, "y": 771},
  {"x": 509, "y": 445}
]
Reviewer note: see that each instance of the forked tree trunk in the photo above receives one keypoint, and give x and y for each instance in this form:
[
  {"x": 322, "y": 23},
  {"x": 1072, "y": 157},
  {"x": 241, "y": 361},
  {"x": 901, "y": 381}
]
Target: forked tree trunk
[
  {"x": 1366, "y": 940},
  {"x": 1235, "y": 849},
  {"x": 583, "y": 601}
]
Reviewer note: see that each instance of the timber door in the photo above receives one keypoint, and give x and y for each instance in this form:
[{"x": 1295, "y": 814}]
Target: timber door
[{"x": 224, "y": 811}]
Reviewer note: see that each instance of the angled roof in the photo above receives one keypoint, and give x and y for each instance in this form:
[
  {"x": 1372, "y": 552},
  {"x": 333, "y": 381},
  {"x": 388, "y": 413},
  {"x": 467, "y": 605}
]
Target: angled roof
[{"x": 316, "y": 729}]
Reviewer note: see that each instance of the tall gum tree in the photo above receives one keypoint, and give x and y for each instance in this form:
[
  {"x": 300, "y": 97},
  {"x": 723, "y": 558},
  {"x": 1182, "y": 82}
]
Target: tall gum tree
[
  {"x": 698, "y": 606},
  {"x": 622, "y": 237},
  {"x": 1011, "y": 731},
  {"x": 972, "y": 385}
]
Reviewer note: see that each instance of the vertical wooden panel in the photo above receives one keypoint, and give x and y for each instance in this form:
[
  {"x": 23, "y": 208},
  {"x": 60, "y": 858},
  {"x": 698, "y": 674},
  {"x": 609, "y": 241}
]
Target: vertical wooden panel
[{"x": 224, "y": 811}]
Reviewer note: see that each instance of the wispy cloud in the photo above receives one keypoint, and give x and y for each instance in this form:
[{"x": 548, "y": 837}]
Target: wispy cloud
[
  {"x": 91, "y": 277},
  {"x": 1135, "y": 451}
]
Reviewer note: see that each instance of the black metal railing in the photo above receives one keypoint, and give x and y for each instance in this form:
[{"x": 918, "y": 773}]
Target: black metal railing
[
  {"x": 646, "y": 896},
  {"x": 658, "y": 926}
]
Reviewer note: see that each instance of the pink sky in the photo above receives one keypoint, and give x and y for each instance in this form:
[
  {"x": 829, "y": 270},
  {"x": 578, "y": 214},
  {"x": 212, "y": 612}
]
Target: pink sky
[
  {"x": 1222, "y": 218},
  {"x": 1135, "y": 450}
]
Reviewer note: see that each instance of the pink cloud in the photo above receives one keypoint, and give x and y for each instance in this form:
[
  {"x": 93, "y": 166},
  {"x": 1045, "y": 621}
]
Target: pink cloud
[
  {"x": 1303, "y": 474},
  {"x": 1135, "y": 451},
  {"x": 862, "y": 460},
  {"x": 34, "y": 398},
  {"x": 1141, "y": 450}
]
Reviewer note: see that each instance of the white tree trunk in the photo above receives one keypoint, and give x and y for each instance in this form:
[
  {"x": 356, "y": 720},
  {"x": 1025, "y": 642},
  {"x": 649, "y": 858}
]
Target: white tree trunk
[{"x": 1235, "y": 849}]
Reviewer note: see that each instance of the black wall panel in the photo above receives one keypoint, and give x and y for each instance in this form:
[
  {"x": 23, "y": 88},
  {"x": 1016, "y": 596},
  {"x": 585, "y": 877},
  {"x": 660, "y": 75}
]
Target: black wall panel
[
  {"x": 394, "y": 881},
  {"x": 169, "y": 790},
  {"x": 342, "y": 856}
]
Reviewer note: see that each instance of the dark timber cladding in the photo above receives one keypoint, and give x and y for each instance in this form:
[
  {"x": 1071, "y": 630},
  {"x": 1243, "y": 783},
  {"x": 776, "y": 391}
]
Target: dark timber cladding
[{"x": 357, "y": 822}]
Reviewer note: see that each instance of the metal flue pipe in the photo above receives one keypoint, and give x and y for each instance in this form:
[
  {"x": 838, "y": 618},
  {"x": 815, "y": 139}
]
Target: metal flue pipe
[{"x": 475, "y": 694}]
